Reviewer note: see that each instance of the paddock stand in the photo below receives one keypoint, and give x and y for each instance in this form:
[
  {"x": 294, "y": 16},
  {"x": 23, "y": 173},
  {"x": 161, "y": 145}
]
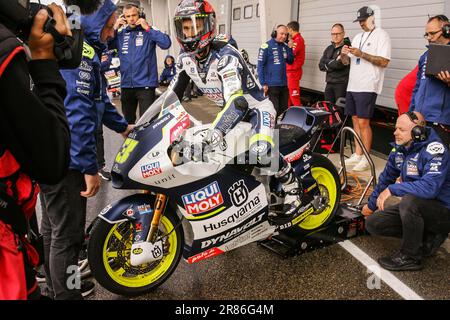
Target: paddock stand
[{"x": 347, "y": 223}]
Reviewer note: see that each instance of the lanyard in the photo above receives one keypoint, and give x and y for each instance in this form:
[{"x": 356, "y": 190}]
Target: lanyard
[{"x": 363, "y": 43}]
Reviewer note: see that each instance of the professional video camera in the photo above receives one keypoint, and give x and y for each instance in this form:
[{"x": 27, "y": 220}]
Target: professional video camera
[{"x": 18, "y": 16}]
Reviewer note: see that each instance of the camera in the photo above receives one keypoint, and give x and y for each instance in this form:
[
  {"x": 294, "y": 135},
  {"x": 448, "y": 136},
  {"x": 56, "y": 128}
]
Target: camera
[{"x": 18, "y": 16}]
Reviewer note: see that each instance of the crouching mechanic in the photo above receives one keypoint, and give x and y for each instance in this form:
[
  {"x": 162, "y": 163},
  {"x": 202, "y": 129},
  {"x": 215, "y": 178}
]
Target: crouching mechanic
[
  {"x": 220, "y": 72},
  {"x": 422, "y": 217}
]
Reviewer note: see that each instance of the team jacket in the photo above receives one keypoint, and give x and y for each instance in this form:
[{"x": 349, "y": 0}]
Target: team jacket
[
  {"x": 87, "y": 104},
  {"x": 423, "y": 168},
  {"x": 272, "y": 60},
  {"x": 299, "y": 55},
  {"x": 169, "y": 71},
  {"x": 431, "y": 96},
  {"x": 137, "y": 53}
]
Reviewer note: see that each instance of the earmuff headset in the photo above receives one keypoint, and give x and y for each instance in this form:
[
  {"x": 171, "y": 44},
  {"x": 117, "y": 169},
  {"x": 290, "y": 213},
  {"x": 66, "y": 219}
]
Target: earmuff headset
[
  {"x": 419, "y": 132},
  {"x": 274, "y": 33}
]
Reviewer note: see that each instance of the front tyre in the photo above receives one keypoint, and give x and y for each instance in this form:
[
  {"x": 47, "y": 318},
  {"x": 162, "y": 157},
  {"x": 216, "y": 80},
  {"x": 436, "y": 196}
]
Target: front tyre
[
  {"x": 327, "y": 177},
  {"x": 109, "y": 252}
]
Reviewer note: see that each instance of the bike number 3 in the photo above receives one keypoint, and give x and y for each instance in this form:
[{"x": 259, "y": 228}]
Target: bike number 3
[{"x": 128, "y": 146}]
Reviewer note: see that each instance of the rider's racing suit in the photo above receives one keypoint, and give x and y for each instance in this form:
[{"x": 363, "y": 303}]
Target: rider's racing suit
[{"x": 223, "y": 77}]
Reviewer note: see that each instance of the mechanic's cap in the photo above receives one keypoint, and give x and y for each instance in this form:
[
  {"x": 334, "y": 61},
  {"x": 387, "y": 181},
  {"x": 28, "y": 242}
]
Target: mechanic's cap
[{"x": 364, "y": 13}]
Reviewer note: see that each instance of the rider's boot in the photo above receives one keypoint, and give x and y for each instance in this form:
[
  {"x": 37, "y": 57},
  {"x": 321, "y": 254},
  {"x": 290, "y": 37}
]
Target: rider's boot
[{"x": 292, "y": 188}]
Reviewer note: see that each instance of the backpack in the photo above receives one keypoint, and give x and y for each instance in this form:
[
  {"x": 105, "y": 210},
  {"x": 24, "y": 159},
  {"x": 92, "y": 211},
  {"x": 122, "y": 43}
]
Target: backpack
[
  {"x": 18, "y": 196},
  {"x": 18, "y": 257}
]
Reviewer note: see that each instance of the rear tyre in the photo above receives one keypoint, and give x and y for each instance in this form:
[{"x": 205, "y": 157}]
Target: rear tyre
[{"x": 327, "y": 177}]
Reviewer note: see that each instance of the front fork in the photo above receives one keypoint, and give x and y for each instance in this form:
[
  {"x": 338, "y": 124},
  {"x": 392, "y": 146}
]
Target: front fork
[{"x": 160, "y": 204}]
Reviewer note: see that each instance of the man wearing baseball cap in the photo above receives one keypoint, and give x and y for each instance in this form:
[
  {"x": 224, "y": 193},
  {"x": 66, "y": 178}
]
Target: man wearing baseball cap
[{"x": 368, "y": 57}]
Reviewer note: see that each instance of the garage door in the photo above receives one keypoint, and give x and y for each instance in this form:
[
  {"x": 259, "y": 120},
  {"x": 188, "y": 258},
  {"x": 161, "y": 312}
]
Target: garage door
[{"x": 245, "y": 27}]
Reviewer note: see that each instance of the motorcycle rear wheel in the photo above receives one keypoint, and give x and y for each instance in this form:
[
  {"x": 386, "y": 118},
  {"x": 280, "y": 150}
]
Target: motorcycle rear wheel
[
  {"x": 109, "y": 252},
  {"x": 327, "y": 177}
]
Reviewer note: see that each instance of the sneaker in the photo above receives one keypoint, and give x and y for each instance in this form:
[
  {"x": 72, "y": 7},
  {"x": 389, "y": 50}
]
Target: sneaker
[
  {"x": 105, "y": 174},
  {"x": 87, "y": 287},
  {"x": 400, "y": 262},
  {"x": 432, "y": 244},
  {"x": 363, "y": 165},
  {"x": 354, "y": 159}
]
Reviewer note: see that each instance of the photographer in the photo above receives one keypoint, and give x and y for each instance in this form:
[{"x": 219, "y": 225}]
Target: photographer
[
  {"x": 136, "y": 42},
  {"x": 34, "y": 142}
]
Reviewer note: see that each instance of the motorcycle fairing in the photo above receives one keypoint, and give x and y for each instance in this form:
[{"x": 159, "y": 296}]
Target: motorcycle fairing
[
  {"x": 137, "y": 208},
  {"x": 241, "y": 219}
]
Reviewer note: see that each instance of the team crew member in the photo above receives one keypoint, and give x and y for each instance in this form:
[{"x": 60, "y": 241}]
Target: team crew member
[
  {"x": 431, "y": 95},
  {"x": 137, "y": 42},
  {"x": 422, "y": 217},
  {"x": 294, "y": 70},
  {"x": 273, "y": 57}
]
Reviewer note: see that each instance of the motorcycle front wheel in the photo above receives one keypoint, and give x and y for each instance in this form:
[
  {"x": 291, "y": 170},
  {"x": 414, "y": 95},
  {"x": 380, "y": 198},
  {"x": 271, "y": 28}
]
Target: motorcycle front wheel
[{"x": 109, "y": 252}]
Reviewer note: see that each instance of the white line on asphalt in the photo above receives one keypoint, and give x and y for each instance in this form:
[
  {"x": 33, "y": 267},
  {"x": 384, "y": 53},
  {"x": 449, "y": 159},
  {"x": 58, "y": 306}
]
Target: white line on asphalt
[{"x": 387, "y": 277}]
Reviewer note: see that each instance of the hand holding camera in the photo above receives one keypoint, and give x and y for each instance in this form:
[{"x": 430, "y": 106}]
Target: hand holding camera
[{"x": 41, "y": 43}]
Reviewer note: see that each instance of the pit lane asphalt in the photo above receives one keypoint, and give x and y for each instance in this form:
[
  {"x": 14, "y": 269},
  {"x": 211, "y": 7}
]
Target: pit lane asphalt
[{"x": 252, "y": 272}]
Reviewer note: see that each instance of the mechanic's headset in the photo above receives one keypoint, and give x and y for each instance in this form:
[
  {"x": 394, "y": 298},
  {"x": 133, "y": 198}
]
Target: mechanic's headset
[
  {"x": 445, "y": 27},
  {"x": 419, "y": 132},
  {"x": 274, "y": 33}
]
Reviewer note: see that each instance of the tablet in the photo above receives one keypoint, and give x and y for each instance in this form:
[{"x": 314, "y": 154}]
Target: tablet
[{"x": 438, "y": 59}]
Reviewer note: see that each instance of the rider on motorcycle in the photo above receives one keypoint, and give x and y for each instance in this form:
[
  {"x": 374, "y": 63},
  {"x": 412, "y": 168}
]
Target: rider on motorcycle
[{"x": 220, "y": 72}]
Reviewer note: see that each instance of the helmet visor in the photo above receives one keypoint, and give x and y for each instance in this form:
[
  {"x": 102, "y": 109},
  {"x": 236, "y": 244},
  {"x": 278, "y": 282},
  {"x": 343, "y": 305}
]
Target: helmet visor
[{"x": 193, "y": 27}]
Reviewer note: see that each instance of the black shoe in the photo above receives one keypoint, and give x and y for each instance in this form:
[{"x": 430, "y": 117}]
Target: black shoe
[
  {"x": 105, "y": 174},
  {"x": 40, "y": 277},
  {"x": 432, "y": 244},
  {"x": 87, "y": 287},
  {"x": 400, "y": 262}
]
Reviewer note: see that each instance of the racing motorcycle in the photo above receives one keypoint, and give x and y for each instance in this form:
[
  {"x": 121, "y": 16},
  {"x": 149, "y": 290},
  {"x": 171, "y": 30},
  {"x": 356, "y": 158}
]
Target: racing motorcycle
[{"x": 199, "y": 209}]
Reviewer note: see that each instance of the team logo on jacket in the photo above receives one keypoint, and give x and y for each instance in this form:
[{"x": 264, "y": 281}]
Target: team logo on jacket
[
  {"x": 435, "y": 148},
  {"x": 203, "y": 200},
  {"x": 151, "y": 169}
]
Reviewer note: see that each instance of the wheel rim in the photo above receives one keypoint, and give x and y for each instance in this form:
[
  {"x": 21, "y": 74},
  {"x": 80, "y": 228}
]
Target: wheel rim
[
  {"x": 116, "y": 256},
  {"x": 328, "y": 187}
]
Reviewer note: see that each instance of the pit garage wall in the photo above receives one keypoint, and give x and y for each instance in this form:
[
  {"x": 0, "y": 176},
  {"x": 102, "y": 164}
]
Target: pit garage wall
[{"x": 404, "y": 20}]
